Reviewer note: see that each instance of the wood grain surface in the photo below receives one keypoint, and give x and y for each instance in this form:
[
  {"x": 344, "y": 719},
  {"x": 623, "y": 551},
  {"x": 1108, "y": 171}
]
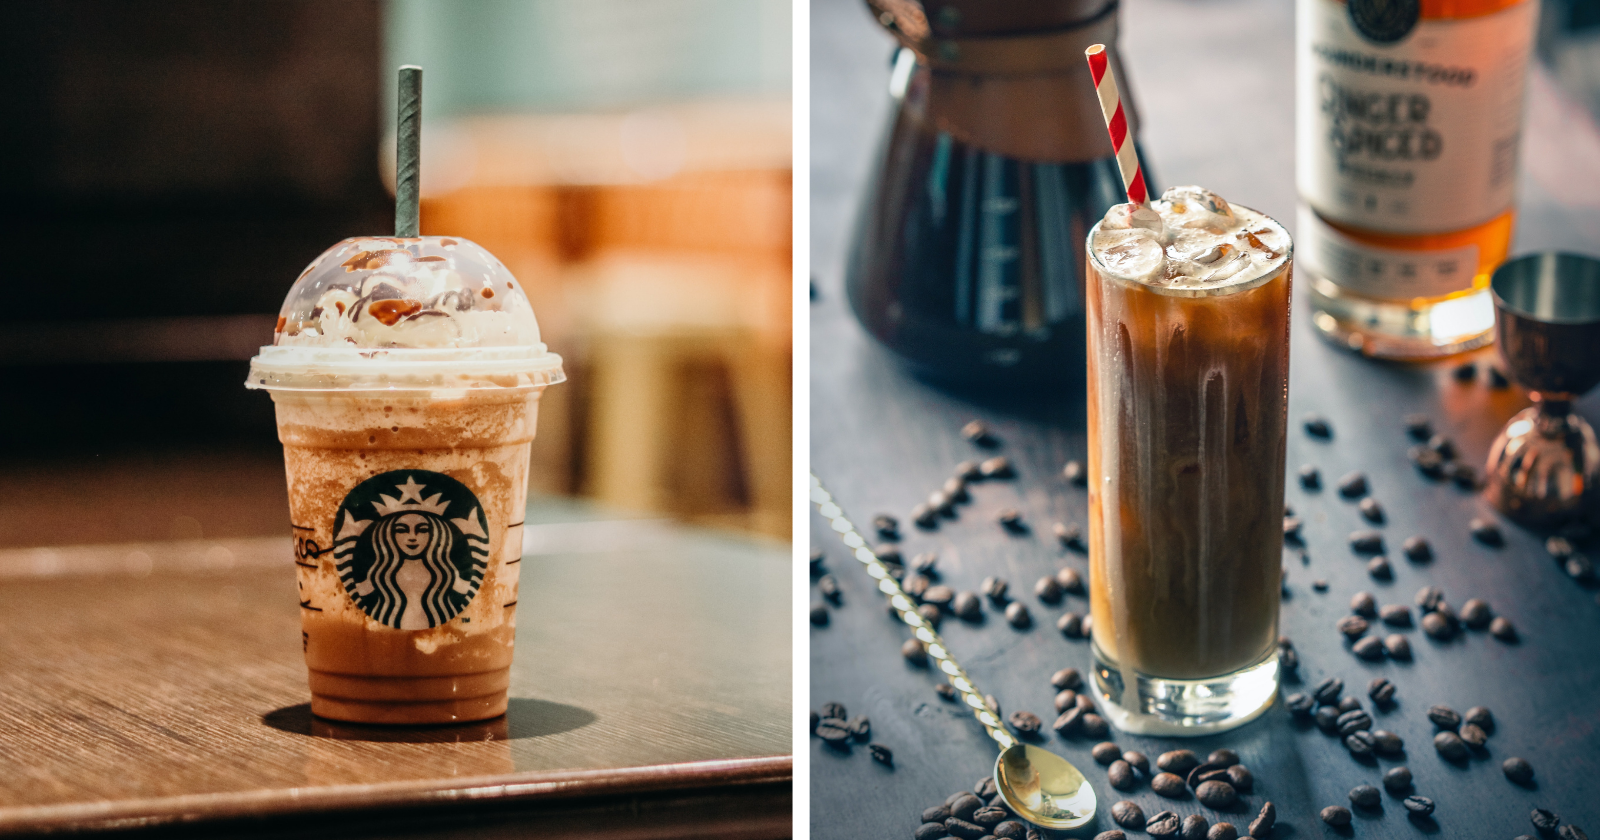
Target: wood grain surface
[
  {"x": 157, "y": 683},
  {"x": 883, "y": 440}
]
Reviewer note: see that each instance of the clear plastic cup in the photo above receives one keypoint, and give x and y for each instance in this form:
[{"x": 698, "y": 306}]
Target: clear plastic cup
[{"x": 406, "y": 375}]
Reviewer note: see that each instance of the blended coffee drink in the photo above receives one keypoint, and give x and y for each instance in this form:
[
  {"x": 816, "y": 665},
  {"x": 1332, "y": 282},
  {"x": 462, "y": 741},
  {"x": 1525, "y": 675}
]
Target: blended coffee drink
[
  {"x": 406, "y": 374},
  {"x": 1188, "y": 349}
]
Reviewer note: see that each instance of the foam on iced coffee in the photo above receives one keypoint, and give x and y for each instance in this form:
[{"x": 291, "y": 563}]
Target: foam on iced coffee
[{"x": 1190, "y": 241}]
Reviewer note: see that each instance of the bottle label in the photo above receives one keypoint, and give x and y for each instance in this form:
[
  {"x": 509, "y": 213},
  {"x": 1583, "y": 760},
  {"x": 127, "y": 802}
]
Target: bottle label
[
  {"x": 1417, "y": 134},
  {"x": 1381, "y": 273}
]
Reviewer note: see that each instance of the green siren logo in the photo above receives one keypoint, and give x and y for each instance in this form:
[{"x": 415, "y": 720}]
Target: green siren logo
[{"x": 411, "y": 561}]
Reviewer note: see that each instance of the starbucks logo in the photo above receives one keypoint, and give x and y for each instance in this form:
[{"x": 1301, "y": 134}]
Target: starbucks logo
[
  {"x": 411, "y": 547},
  {"x": 1384, "y": 21}
]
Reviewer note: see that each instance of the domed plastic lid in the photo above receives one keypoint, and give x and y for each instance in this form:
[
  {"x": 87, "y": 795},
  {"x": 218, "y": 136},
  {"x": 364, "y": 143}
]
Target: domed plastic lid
[{"x": 380, "y": 313}]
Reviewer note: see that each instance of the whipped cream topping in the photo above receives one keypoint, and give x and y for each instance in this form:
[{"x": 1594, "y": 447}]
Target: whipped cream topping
[
  {"x": 427, "y": 292},
  {"x": 1189, "y": 239}
]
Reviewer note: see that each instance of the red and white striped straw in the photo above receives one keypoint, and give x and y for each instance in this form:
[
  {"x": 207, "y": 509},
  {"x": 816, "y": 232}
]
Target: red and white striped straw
[{"x": 1105, "y": 84}]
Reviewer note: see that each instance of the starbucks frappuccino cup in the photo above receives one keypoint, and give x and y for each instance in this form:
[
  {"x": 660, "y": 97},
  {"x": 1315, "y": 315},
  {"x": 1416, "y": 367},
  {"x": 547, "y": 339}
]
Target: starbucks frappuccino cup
[{"x": 406, "y": 375}]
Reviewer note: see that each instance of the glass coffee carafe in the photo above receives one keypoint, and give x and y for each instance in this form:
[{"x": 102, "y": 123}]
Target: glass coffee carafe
[{"x": 968, "y": 254}]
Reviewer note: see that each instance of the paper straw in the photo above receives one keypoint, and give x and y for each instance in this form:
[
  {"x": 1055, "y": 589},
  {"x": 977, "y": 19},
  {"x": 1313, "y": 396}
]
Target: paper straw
[
  {"x": 408, "y": 152},
  {"x": 1105, "y": 85}
]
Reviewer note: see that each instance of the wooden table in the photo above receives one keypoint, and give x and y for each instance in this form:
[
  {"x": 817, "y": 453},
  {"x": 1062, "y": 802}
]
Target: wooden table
[
  {"x": 883, "y": 440},
  {"x": 160, "y": 686}
]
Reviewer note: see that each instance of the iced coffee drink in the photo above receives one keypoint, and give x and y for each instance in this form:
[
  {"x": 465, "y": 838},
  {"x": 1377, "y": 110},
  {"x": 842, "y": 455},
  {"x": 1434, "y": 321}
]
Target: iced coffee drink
[
  {"x": 406, "y": 374},
  {"x": 1188, "y": 348}
]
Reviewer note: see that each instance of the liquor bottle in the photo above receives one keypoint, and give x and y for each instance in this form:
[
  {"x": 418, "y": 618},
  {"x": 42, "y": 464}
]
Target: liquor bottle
[
  {"x": 1408, "y": 121},
  {"x": 967, "y": 256}
]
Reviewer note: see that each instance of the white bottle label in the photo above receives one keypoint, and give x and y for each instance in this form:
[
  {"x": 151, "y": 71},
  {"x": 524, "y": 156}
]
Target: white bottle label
[
  {"x": 1382, "y": 273},
  {"x": 1415, "y": 136}
]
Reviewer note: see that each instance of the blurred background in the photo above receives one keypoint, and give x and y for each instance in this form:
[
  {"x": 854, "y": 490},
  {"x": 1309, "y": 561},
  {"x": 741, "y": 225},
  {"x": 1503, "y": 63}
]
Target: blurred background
[{"x": 167, "y": 168}]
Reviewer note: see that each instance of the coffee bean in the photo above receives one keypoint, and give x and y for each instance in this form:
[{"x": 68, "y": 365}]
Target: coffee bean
[
  {"x": 1310, "y": 478},
  {"x": 1169, "y": 785},
  {"x": 859, "y": 727},
  {"x": 956, "y": 490},
  {"x": 1093, "y": 725},
  {"x": 1381, "y": 691},
  {"x": 1348, "y": 704},
  {"x": 819, "y": 615},
  {"x": 938, "y": 595},
  {"x": 1223, "y": 831},
  {"x": 1300, "y": 705},
  {"x": 947, "y": 691},
  {"x": 1336, "y": 815},
  {"x": 1444, "y": 717},
  {"x": 1327, "y": 718},
  {"x": 1327, "y": 692},
  {"x": 990, "y": 816},
  {"x": 964, "y": 829},
  {"x": 1127, "y": 814},
  {"x": 916, "y": 585},
  {"x": 1070, "y": 625},
  {"x": 1320, "y": 585},
  {"x": 1486, "y": 532},
  {"x": 914, "y": 652},
  {"x": 1418, "y": 426},
  {"x": 1026, "y": 723},
  {"x": 1579, "y": 568},
  {"x": 1018, "y": 616},
  {"x": 1517, "y": 770},
  {"x": 1070, "y": 536},
  {"x": 1216, "y": 794},
  {"x": 1120, "y": 775},
  {"x": 1437, "y": 626},
  {"x": 1474, "y": 736},
  {"x": 936, "y": 814},
  {"x": 993, "y": 704},
  {"x": 1223, "y": 756},
  {"x": 1427, "y": 461},
  {"x": 1353, "y": 720},
  {"x": 1366, "y": 542},
  {"x": 925, "y": 516},
  {"x": 1481, "y": 717},
  {"x": 1571, "y": 832},
  {"x": 930, "y": 614},
  {"x": 834, "y": 710},
  {"x": 964, "y": 807},
  {"x": 828, "y": 586},
  {"x": 1317, "y": 426},
  {"x": 1075, "y": 473},
  {"x": 1397, "y": 646},
  {"x": 1048, "y": 590},
  {"x": 1501, "y": 629},
  {"x": 833, "y": 732},
  {"x": 1419, "y": 806},
  {"x": 1194, "y": 828},
  {"x": 1544, "y": 820},
  {"x": 1011, "y": 830},
  {"x": 1369, "y": 648},
  {"x": 1113, "y": 834},
  {"x": 1163, "y": 824},
  {"x": 1365, "y": 796},
  {"x": 1379, "y": 569},
  {"x": 1352, "y": 626},
  {"x": 985, "y": 788},
  {"x": 1371, "y": 510},
  {"x": 996, "y": 467},
  {"x": 1240, "y": 777},
  {"x": 1291, "y": 529},
  {"x": 887, "y": 526},
  {"x": 966, "y": 606},
  {"x": 1066, "y": 699},
  {"x": 1177, "y": 761},
  {"x": 1361, "y": 744},
  {"x": 1395, "y": 615},
  {"x": 881, "y": 754},
  {"x": 1353, "y": 485},
  {"x": 1497, "y": 379},
  {"x": 1387, "y": 743},
  {"x": 1261, "y": 826},
  {"x": 978, "y": 432},
  {"x": 1106, "y": 752},
  {"x": 1069, "y": 721},
  {"x": 1205, "y": 773},
  {"x": 1066, "y": 678},
  {"x": 942, "y": 502},
  {"x": 1070, "y": 581},
  {"x": 950, "y": 801},
  {"x": 1011, "y": 520},
  {"x": 1397, "y": 780},
  {"x": 1559, "y": 547},
  {"x": 930, "y": 831},
  {"x": 1288, "y": 660},
  {"x": 1429, "y": 598},
  {"x": 1450, "y": 746},
  {"x": 1137, "y": 761}
]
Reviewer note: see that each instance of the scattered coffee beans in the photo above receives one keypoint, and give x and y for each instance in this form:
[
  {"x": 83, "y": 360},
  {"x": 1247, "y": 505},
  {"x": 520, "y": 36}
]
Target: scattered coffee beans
[
  {"x": 1429, "y": 598},
  {"x": 1450, "y": 746},
  {"x": 1327, "y": 719},
  {"x": 1128, "y": 814},
  {"x": 930, "y": 614},
  {"x": 1206, "y": 772},
  {"x": 1417, "y": 549},
  {"x": 1320, "y": 585},
  {"x": 1066, "y": 678},
  {"x": 1428, "y": 462},
  {"x": 947, "y": 691},
  {"x": 1486, "y": 532},
  {"x": 1120, "y": 775},
  {"x": 1177, "y": 761},
  {"x": 1571, "y": 832},
  {"x": 1559, "y": 547},
  {"x": 1327, "y": 692},
  {"x": 1017, "y": 615},
  {"x": 956, "y": 490},
  {"x": 1365, "y": 796},
  {"x": 1070, "y": 580},
  {"x": 964, "y": 829},
  {"x": 1474, "y": 736},
  {"x": 996, "y": 467},
  {"x": 1397, "y": 646},
  {"x": 1106, "y": 752},
  {"x": 1223, "y": 756},
  {"x": 1361, "y": 744},
  {"x": 936, "y": 814},
  {"x": 819, "y": 615},
  {"x": 881, "y": 754},
  {"x": 1075, "y": 473},
  {"x": 828, "y": 586},
  {"x": 1240, "y": 777},
  {"x": 930, "y": 831},
  {"x": 1093, "y": 725},
  {"x": 1010, "y": 830},
  {"x": 1369, "y": 648},
  {"x": 1381, "y": 691},
  {"x": 938, "y": 595},
  {"x": 1048, "y": 590},
  {"x": 1517, "y": 770},
  {"x": 1194, "y": 828},
  {"x": 1387, "y": 743},
  {"x": 1352, "y": 626},
  {"x": 1544, "y": 820},
  {"x": 1137, "y": 761},
  {"x": 990, "y": 816},
  {"x": 1437, "y": 626},
  {"x": 1348, "y": 704},
  {"x": 1420, "y": 806},
  {"x": 1444, "y": 717},
  {"x": 1362, "y": 603},
  {"x": 925, "y": 516},
  {"x": 1113, "y": 834},
  {"x": 1397, "y": 780},
  {"x": 1011, "y": 520},
  {"x": 985, "y": 788},
  {"x": 1027, "y": 724},
  {"x": 859, "y": 727},
  {"x": 1163, "y": 824},
  {"x": 1223, "y": 831},
  {"x": 1442, "y": 445},
  {"x": 1071, "y": 625},
  {"x": 1501, "y": 629},
  {"x": 1395, "y": 615},
  {"x": 978, "y": 432},
  {"x": 1317, "y": 426},
  {"x": 1262, "y": 825},
  {"x": 1336, "y": 815},
  {"x": 1169, "y": 785},
  {"x": 1366, "y": 542},
  {"x": 1310, "y": 478},
  {"x": 966, "y": 606},
  {"x": 1216, "y": 794},
  {"x": 1353, "y": 485},
  {"x": 1070, "y": 536},
  {"x": 1069, "y": 722},
  {"x": 1291, "y": 529},
  {"x": 1379, "y": 568},
  {"x": 914, "y": 652},
  {"x": 1481, "y": 717},
  {"x": 1371, "y": 510},
  {"x": 1418, "y": 426},
  {"x": 833, "y": 731},
  {"x": 1066, "y": 699}
]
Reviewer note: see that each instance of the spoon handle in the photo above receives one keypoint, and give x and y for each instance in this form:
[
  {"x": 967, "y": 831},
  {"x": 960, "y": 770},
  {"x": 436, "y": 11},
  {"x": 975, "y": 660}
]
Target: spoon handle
[{"x": 907, "y": 610}]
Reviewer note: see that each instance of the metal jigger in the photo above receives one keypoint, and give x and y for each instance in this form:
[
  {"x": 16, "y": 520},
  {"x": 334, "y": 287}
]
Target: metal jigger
[{"x": 1543, "y": 465}]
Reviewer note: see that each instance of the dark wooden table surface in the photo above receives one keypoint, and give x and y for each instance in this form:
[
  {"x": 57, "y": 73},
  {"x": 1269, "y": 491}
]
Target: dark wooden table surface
[
  {"x": 161, "y": 686},
  {"x": 882, "y": 441}
]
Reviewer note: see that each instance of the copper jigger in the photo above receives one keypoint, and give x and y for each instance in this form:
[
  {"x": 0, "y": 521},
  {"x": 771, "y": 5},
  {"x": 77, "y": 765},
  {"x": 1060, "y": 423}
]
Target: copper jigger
[{"x": 1543, "y": 465}]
